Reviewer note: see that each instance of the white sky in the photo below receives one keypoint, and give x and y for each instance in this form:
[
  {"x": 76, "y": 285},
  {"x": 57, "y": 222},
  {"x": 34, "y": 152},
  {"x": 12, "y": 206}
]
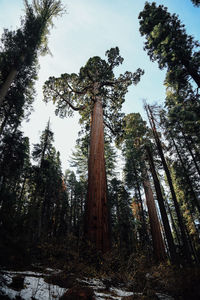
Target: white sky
[{"x": 89, "y": 29}]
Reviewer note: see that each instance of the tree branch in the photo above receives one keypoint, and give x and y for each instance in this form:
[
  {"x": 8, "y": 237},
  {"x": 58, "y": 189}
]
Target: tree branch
[
  {"x": 109, "y": 127},
  {"x": 69, "y": 103},
  {"x": 79, "y": 92}
]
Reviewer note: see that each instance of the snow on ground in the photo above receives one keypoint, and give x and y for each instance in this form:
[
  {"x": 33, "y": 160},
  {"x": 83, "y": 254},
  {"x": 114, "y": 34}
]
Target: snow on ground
[{"x": 36, "y": 288}]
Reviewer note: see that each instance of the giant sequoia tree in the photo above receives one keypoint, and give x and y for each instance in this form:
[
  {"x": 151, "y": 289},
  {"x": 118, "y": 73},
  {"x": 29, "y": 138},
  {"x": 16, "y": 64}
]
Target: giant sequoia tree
[
  {"x": 168, "y": 43},
  {"x": 94, "y": 92}
]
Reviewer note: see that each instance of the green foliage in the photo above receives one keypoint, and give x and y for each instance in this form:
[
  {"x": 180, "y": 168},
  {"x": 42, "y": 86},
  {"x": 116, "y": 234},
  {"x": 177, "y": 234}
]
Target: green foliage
[
  {"x": 132, "y": 142},
  {"x": 39, "y": 17},
  {"x": 162, "y": 30},
  {"x": 122, "y": 220},
  {"x": 77, "y": 92}
]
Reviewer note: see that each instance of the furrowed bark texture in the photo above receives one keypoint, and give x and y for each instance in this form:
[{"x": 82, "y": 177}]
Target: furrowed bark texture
[
  {"x": 96, "y": 218},
  {"x": 158, "y": 244}
]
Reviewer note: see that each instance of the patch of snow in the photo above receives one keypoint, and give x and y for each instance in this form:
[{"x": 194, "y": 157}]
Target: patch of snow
[
  {"x": 164, "y": 296},
  {"x": 37, "y": 288},
  {"x": 121, "y": 293},
  {"x": 7, "y": 279},
  {"x": 29, "y": 273},
  {"x": 5, "y": 291},
  {"x": 54, "y": 271},
  {"x": 93, "y": 283},
  {"x": 102, "y": 296}
]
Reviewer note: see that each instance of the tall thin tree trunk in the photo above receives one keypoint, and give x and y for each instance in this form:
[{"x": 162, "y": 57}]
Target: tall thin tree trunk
[
  {"x": 97, "y": 216},
  {"x": 186, "y": 248},
  {"x": 167, "y": 229},
  {"x": 144, "y": 237},
  {"x": 3, "y": 124},
  {"x": 158, "y": 244},
  {"x": 6, "y": 85},
  {"x": 19, "y": 200},
  {"x": 192, "y": 192},
  {"x": 191, "y": 152}
]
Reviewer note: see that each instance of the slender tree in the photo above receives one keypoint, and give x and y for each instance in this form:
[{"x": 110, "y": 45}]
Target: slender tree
[
  {"x": 169, "y": 237},
  {"x": 186, "y": 248},
  {"x": 135, "y": 138},
  {"x": 94, "y": 91},
  {"x": 23, "y": 46},
  {"x": 158, "y": 243}
]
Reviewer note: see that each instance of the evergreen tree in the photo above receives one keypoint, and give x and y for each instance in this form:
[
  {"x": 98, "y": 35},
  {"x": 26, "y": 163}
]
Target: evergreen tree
[
  {"x": 47, "y": 194},
  {"x": 135, "y": 138},
  {"x": 122, "y": 220},
  {"x": 22, "y": 47},
  {"x": 162, "y": 31},
  {"x": 94, "y": 91},
  {"x": 186, "y": 248}
]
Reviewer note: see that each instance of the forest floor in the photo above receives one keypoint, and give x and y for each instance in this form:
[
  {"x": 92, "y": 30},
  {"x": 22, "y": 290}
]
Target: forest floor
[
  {"x": 53, "y": 284},
  {"x": 51, "y": 272},
  {"x": 161, "y": 283}
]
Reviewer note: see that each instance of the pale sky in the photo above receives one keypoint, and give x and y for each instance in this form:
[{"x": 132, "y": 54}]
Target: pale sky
[{"x": 89, "y": 28}]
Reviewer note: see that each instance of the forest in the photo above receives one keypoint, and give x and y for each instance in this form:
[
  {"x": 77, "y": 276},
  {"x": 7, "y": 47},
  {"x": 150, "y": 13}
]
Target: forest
[{"x": 110, "y": 226}]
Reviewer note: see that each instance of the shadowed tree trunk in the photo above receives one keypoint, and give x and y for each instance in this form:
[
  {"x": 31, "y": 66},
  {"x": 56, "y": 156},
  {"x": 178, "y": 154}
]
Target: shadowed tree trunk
[
  {"x": 158, "y": 244},
  {"x": 6, "y": 85},
  {"x": 192, "y": 71},
  {"x": 188, "y": 145},
  {"x": 187, "y": 176},
  {"x": 163, "y": 212},
  {"x": 96, "y": 218},
  {"x": 186, "y": 247}
]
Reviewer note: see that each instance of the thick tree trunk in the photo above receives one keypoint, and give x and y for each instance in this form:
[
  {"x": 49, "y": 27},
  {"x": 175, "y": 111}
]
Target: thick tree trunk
[
  {"x": 158, "y": 244},
  {"x": 96, "y": 217},
  {"x": 167, "y": 229},
  {"x": 6, "y": 85}
]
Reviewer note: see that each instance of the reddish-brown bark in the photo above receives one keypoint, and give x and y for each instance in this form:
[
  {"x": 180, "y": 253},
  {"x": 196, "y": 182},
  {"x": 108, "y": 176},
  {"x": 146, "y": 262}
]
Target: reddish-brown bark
[
  {"x": 158, "y": 244},
  {"x": 169, "y": 237},
  {"x": 96, "y": 218}
]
